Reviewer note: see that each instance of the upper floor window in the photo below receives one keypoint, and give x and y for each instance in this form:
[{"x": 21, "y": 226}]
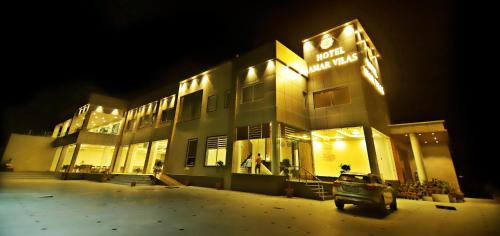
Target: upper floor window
[
  {"x": 190, "y": 106},
  {"x": 212, "y": 103},
  {"x": 252, "y": 93},
  {"x": 331, "y": 97}
]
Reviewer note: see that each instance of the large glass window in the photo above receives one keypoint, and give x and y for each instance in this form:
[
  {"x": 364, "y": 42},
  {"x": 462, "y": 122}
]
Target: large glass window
[
  {"x": 216, "y": 150},
  {"x": 334, "y": 147},
  {"x": 94, "y": 158},
  {"x": 192, "y": 144},
  {"x": 136, "y": 158},
  {"x": 120, "y": 159},
  {"x": 146, "y": 115},
  {"x": 157, "y": 156},
  {"x": 55, "y": 160},
  {"x": 190, "y": 106},
  {"x": 385, "y": 158},
  {"x": 252, "y": 142},
  {"x": 331, "y": 97},
  {"x": 105, "y": 123},
  {"x": 67, "y": 155}
]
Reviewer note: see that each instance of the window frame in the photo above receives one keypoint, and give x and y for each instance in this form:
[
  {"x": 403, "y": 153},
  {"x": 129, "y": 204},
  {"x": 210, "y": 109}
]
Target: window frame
[
  {"x": 206, "y": 149},
  {"x": 187, "y": 152},
  {"x": 213, "y": 96},
  {"x": 253, "y": 99},
  {"x": 332, "y": 97}
]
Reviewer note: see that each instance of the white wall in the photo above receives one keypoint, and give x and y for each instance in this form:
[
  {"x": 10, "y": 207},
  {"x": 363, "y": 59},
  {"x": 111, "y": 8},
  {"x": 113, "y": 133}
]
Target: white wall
[{"x": 29, "y": 153}]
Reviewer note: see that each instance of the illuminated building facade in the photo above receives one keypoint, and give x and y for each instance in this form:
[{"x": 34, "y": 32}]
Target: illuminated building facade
[{"x": 304, "y": 117}]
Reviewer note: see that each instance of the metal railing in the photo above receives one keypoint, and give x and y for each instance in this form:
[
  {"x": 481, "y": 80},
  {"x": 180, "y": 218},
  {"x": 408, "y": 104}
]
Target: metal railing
[{"x": 306, "y": 175}]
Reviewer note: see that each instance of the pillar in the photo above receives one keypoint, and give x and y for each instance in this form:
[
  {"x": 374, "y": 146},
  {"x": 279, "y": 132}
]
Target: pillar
[
  {"x": 417, "y": 154},
  {"x": 370, "y": 149},
  {"x": 147, "y": 161},
  {"x": 73, "y": 159},
  {"x": 275, "y": 159}
]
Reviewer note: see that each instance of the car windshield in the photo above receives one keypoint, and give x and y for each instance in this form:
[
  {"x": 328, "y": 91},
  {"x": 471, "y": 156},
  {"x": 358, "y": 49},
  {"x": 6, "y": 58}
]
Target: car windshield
[{"x": 355, "y": 178}]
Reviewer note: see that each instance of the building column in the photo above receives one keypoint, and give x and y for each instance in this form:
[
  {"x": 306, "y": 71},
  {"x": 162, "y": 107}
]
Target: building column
[
  {"x": 275, "y": 159},
  {"x": 73, "y": 159},
  {"x": 148, "y": 157},
  {"x": 116, "y": 151},
  {"x": 370, "y": 149},
  {"x": 417, "y": 154}
]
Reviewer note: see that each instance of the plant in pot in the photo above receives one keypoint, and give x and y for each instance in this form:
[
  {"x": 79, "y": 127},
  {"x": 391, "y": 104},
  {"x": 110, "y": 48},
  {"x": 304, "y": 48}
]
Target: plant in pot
[
  {"x": 219, "y": 168},
  {"x": 285, "y": 165},
  {"x": 344, "y": 168},
  {"x": 157, "y": 167}
]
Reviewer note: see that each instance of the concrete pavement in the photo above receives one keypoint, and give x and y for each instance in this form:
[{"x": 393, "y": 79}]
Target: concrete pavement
[{"x": 89, "y": 208}]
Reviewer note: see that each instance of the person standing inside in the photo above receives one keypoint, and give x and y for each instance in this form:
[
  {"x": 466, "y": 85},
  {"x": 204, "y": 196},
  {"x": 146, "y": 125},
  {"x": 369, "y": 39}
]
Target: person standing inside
[
  {"x": 258, "y": 162},
  {"x": 248, "y": 164}
]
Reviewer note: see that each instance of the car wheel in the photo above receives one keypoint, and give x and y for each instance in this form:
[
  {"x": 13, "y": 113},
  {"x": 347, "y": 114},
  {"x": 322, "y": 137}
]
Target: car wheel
[
  {"x": 394, "y": 204},
  {"x": 339, "y": 205}
]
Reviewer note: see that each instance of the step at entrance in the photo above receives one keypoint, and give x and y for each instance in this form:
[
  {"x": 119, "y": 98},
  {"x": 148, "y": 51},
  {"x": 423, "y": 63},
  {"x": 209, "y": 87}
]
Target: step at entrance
[{"x": 128, "y": 179}]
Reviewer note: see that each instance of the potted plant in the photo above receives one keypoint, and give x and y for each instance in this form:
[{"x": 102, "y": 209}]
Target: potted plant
[
  {"x": 285, "y": 165},
  {"x": 219, "y": 168},
  {"x": 157, "y": 167},
  {"x": 344, "y": 168}
]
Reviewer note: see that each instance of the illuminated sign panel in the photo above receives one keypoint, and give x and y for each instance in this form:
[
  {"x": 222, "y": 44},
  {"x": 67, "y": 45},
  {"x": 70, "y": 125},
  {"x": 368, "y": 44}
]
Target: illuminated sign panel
[
  {"x": 333, "y": 54},
  {"x": 329, "y": 58}
]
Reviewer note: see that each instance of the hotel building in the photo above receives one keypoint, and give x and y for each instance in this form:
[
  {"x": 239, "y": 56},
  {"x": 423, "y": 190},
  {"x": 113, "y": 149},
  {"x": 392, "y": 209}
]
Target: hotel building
[{"x": 304, "y": 116}]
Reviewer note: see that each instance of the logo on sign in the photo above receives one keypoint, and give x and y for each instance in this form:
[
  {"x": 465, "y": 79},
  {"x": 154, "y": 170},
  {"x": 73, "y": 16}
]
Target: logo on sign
[{"x": 326, "y": 42}]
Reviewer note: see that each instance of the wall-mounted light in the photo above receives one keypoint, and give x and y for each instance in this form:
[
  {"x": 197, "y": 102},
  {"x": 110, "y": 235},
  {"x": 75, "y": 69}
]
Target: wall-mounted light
[{"x": 98, "y": 109}]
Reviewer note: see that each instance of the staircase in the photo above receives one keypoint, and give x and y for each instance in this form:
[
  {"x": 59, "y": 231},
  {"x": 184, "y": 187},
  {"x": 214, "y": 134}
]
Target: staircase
[
  {"x": 127, "y": 179},
  {"x": 318, "y": 188},
  {"x": 313, "y": 187},
  {"x": 33, "y": 175}
]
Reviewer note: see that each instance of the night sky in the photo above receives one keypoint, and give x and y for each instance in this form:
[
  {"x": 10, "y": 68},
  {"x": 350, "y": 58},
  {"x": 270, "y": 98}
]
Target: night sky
[{"x": 57, "y": 52}]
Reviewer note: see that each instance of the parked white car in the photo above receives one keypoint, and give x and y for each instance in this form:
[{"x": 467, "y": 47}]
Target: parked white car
[{"x": 363, "y": 189}]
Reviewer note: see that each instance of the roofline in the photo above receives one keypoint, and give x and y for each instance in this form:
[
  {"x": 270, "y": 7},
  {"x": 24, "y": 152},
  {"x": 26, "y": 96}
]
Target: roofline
[
  {"x": 418, "y": 123},
  {"x": 359, "y": 28}
]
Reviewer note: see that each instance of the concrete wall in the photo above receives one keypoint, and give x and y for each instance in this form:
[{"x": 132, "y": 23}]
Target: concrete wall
[
  {"x": 216, "y": 82},
  {"x": 265, "y": 184},
  {"x": 29, "y": 153},
  {"x": 438, "y": 163}
]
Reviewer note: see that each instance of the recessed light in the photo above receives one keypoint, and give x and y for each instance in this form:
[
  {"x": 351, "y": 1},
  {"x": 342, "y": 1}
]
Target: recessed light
[
  {"x": 419, "y": 134},
  {"x": 437, "y": 141},
  {"x": 425, "y": 142}
]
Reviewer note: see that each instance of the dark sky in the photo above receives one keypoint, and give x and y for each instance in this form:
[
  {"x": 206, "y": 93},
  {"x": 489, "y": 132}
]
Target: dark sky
[{"x": 58, "y": 51}]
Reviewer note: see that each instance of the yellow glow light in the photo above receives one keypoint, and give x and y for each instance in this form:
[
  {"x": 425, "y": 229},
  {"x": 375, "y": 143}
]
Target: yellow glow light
[
  {"x": 339, "y": 144},
  {"x": 308, "y": 45},
  {"x": 349, "y": 29},
  {"x": 114, "y": 112},
  {"x": 98, "y": 109},
  {"x": 270, "y": 65}
]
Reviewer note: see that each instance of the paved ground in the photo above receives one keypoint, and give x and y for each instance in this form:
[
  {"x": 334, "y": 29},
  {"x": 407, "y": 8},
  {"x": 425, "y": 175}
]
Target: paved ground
[{"x": 88, "y": 208}]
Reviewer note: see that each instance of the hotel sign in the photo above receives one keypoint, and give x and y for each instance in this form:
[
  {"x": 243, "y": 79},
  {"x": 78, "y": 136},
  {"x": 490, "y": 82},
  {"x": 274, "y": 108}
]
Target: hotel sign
[{"x": 331, "y": 57}]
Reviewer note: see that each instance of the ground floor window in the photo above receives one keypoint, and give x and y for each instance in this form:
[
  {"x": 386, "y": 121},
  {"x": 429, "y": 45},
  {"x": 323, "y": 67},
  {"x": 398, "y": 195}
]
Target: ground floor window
[
  {"x": 55, "y": 160},
  {"x": 192, "y": 145},
  {"x": 334, "y": 147},
  {"x": 66, "y": 156},
  {"x": 120, "y": 159},
  {"x": 246, "y": 153},
  {"x": 157, "y": 156},
  {"x": 216, "y": 150},
  {"x": 93, "y": 158},
  {"x": 136, "y": 158},
  {"x": 385, "y": 157}
]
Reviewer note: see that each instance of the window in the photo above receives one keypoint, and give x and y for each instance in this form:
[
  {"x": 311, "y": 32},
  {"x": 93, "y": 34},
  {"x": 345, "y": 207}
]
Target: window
[
  {"x": 191, "y": 152},
  {"x": 167, "y": 116},
  {"x": 252, "y": 93},
  {"x": 253, "y": 131},
  {"x": 212, "y": 103},
  {"x": 216, "y": 150},
  {"x": 227, "y": 98},
  {"x": 130, "y": 124},
  {"x": 191, "y": 106},
  {"x": 332, "y": 97}
]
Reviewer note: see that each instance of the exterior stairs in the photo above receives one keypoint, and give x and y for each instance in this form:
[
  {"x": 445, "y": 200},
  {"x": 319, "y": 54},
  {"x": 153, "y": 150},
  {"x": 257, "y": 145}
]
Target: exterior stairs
[
  {"x": 140, "y": 180},
  {"x": 32, "y": 175},
  {"x": 318, "y": 188}
]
